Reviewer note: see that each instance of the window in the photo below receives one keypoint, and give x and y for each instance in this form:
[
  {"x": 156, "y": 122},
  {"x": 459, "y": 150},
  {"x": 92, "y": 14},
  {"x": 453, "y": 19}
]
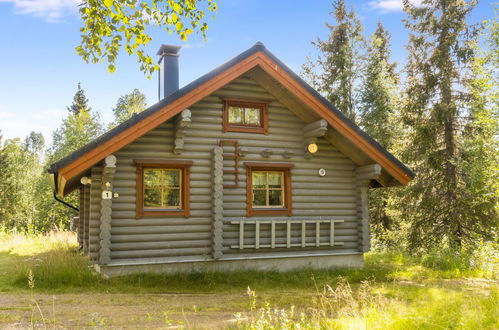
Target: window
[
  {"x": 268, "y": 188},
  {"x": 245, "y": 116},
  {"x": 162, "y": 188}
]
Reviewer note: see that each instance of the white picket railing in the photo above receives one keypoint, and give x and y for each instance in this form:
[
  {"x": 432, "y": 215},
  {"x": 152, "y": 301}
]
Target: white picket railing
[{"x": 288, "y": 244}]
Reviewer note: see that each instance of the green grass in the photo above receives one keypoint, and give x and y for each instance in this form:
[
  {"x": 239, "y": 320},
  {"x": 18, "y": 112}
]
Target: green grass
[{"x": 442, "y": 289}]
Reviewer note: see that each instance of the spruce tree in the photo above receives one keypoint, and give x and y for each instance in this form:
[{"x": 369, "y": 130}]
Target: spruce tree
[
  {"x": 335, "y": 70},
  {"x": 480, "y": 159},
  {"x": 80, "y": 102},
  {"x": 377, "y": 114},
  {"x": 438, "y": 204},
  {"x": 378, "y": 95}
]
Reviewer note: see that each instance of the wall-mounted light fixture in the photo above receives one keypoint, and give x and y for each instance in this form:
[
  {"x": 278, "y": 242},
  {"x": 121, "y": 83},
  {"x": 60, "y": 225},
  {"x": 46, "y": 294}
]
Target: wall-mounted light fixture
[
  {"x": 85, "y": 180},
  {"x": 312, "y": 148}
]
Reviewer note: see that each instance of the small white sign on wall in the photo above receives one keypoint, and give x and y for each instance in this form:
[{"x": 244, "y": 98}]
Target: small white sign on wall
[{"x": 107, "y": 194}]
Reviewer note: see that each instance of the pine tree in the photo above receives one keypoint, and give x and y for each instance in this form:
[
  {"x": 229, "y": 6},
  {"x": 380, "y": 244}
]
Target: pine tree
[
  {"x": 336, "y": 69},
  {"x": 441, "y": 53},
  {"x": 377, "y": 111},
  {"x": 128, "y": 105}
]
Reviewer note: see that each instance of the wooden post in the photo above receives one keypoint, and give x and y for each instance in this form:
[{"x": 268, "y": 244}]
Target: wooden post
[
  {"x": 331, "y": 234},
  {"x": 217, "y": 234},
  {"x": 86, "y": 218},
  {"x": 288, "y": 234},
  {"x": 272, "y": 234},
  {"x": 81, "y": 218},
  {"x": 108, "y": 171},
  {"x": 318, "y": 233},
  {"x": 364, "y": 174},
  {"x": 303, "y": 228},
  {"x": 241, "y": 234},
  {"x": 257, "y": 234}
]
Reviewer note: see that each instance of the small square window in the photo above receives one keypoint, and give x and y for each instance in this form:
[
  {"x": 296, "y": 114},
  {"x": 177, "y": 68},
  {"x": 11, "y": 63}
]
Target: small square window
[
  {"x": 268, "y": 188},
  {"x": 245, "y": 116},
  {"x": 162, "y": 188}
]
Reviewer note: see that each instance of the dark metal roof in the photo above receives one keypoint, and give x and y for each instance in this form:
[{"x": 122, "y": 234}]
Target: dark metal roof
[{"x": 196, "y": 83}]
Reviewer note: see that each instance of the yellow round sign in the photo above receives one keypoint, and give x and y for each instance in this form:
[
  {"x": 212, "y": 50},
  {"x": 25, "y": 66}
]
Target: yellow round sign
[{"x": 312, "y": 148}]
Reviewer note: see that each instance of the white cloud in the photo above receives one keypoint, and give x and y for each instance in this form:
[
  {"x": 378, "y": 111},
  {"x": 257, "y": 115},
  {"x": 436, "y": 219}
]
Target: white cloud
[
  {"x": 386, "y": 6},
  {"x": 199, "y": 44},
  {"x": 49, "y": 10}
]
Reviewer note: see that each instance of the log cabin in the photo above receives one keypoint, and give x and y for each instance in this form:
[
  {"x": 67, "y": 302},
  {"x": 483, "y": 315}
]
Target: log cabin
[{"x": 247, "y": 167}]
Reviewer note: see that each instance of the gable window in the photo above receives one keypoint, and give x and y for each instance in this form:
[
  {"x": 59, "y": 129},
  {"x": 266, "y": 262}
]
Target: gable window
[
  {"x": 245, "y": 116},
  {"x": 162, "y": 188},
  {"x": 268, "y": 188}
]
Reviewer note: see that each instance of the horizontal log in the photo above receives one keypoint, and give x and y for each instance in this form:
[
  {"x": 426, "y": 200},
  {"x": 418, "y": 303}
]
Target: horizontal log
[
  {"x": 160, "y": 253},
  {"x": 305, "y": 206},
  {"x": 132, "y": 246},
  {"x": 296, "y": 212},
  {"x": 280, "y": 252},
  {"x": 197, "y": 206},
  {"x": 206, "y": 236},
  {"x": 160, "y": 221},
  {"x": 302, "y": 196},
  {"x": 146, "y": 230}
]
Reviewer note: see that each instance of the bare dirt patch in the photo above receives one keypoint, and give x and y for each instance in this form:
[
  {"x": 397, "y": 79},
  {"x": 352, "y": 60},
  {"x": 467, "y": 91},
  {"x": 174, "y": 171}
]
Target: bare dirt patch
[{"x": 119, "y": 310}]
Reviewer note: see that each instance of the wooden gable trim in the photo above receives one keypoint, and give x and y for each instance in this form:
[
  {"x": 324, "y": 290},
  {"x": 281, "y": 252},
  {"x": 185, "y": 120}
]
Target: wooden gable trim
[{"x": 274, "y": 70}]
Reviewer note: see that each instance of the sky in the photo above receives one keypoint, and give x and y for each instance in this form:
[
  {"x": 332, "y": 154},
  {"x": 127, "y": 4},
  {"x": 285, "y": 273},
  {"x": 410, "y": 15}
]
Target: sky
[{"x": 40, "y": 70}]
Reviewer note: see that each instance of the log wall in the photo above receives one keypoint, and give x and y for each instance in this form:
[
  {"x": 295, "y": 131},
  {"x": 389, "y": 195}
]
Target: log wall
[{"x": 334, "y": 196}]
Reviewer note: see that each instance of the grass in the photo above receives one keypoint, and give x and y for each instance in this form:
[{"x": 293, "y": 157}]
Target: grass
[{"x": 439, "y": 290}]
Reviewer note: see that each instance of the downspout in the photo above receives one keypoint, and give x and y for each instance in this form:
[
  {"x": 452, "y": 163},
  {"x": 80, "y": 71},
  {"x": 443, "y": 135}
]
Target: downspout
[
  {"x": 54, "y": 186},
  {"x": 65, "y": 203}
]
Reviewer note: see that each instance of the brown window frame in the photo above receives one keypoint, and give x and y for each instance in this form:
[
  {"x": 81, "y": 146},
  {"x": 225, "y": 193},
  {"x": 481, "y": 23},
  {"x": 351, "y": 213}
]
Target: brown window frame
[
  {"x": 183, "y": 165},
  {"x": 281, "y": 167},
  {"x": 264, "y": 120}
]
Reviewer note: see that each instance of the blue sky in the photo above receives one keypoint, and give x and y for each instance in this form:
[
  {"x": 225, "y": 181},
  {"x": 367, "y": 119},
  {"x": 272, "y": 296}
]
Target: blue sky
[{"x": 39, "y": 68}]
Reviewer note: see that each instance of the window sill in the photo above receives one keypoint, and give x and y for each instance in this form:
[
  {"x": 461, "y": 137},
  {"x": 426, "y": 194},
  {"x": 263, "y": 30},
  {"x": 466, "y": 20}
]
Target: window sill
[
  {"x": 246, "y": 129},
  {"x": 162, "y": 213},
  {"x": 260, "y": 211}
]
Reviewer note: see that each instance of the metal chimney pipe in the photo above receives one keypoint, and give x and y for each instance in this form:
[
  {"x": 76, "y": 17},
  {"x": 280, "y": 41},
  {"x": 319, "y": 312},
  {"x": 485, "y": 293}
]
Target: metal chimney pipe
[{"x": 168, "y": 70}]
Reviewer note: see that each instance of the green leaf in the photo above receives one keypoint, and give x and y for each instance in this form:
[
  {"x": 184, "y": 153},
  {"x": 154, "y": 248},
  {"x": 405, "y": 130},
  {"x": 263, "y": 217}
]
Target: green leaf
[
  {"x": 108, "y": 3},
  {"x": 109, "y": 26}
]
